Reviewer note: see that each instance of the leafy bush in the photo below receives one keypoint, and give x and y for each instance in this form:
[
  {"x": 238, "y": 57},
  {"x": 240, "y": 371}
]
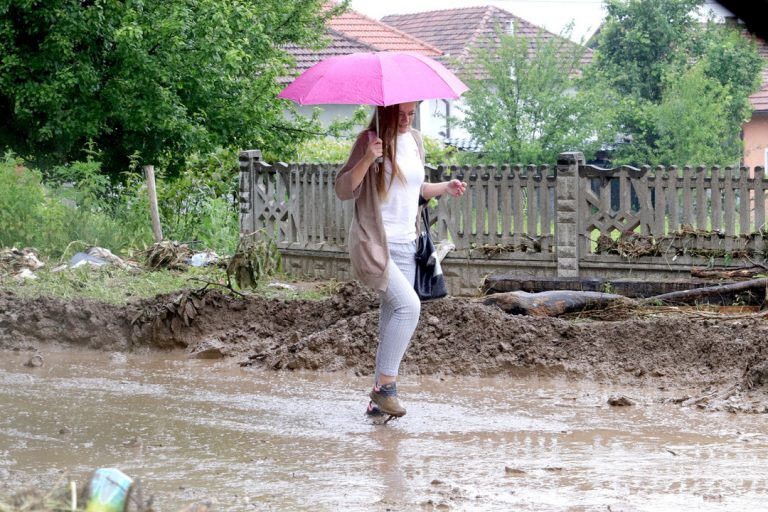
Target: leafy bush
[
  {"x": 327, "y": 150},
  {"x": 201, "y": 205},
  {"x": 438, "y": 153},
  {"x": 50, "y": 218},
  {"x": 21, "y": 197},
  {"x": 78, "y": 203}
]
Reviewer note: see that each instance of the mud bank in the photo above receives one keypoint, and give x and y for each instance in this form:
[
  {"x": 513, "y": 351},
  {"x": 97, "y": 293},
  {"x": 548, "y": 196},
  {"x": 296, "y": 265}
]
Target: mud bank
[{"x": 725, "y": 358}]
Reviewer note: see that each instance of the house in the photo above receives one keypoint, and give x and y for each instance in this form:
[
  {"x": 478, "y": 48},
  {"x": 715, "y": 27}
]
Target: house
[
  {"x": 353, "y": 32},
  {"x": 755, "y": 131},
  {"x": 456, "y": 32},
  {"x": 445, "y": 35}
]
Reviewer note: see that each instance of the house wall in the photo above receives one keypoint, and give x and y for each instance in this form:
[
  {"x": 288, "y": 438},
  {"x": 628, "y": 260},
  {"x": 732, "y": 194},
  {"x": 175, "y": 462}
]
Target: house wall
[
  {"x": 433, "y": 123},
  {"x": 430, "y": 119},
  {"x": 756, "y": 140},
  {"x": 329, "y": 113}
]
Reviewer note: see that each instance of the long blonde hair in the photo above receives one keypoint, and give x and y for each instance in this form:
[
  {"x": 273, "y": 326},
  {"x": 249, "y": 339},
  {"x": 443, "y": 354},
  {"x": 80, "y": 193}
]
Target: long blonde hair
[{"x": 388, "y": 120}]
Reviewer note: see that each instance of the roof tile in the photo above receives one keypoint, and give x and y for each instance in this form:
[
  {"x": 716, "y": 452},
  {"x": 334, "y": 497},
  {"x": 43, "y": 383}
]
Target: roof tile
[
  {"x": 339, "y": 45},
  {"x": 352, "y": 32},
  {"x": 379, "y": 35},
  {"x": 457, "y": 31}
]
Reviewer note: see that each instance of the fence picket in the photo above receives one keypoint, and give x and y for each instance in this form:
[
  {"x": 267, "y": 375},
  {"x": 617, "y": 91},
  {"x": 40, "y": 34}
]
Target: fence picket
[
  {"x": 716, "y": 195},
  {"x": 760, "y": 188},
  {"x": 518, "y": 202},
  {"x": 493, "y": 204},
  {"x": 512, "y": 209},
  {"x": 744, "y": 202}
]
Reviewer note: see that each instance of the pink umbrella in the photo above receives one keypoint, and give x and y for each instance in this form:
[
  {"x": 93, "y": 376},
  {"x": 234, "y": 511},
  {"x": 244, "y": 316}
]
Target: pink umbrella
[{"x": 382, "y": 78}]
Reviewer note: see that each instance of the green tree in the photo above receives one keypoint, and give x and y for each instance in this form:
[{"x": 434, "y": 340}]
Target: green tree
[
  {"x": 691, "y": 120},
  {"x": 528, "y": 108},
  {"x": 733, "y": 60},
  {"x": 640, "y": 41},
  {"x": 648, "y": 48},
  {"x": 161, "y": 79}
]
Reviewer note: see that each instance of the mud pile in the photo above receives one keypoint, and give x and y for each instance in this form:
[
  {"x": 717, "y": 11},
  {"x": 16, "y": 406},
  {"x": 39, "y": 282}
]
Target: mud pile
[{"x": 455, "y": 336}]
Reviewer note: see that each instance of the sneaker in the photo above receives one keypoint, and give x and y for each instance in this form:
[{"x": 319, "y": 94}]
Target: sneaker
[
  {"x": 385, "y": 397},
  {"x": 373, "y": 411}
]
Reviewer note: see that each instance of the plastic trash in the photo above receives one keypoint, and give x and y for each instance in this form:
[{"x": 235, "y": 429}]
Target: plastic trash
[
  {"x": 443, "y": 248},
  {"x": 201, "y": 259},
  {"x": 108, "y": 491},
  {"x": 82, "y": 258},
  {"x": 282, "y": 286},
  {"x": 106, "y": 255},
  {"x": 25, "y": 273}
]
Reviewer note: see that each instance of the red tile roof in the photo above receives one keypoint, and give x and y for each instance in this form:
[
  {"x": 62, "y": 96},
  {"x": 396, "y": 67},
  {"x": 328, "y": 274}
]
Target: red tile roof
[
  {"x": 339, "y": 45},
  {"x": 457, "y": 31},
  {"x": 379, "y": 35},
  {"x": 352, "y": 32}
]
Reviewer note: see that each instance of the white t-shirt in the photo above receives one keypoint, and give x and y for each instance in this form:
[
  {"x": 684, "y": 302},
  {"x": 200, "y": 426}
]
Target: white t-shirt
[{"x": 401, "y": 206}]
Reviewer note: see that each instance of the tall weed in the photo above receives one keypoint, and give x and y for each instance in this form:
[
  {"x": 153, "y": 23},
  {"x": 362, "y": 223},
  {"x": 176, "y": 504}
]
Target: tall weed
[
  {"x": 78, "y": 202},
  {"x": 21, "y": 199}
]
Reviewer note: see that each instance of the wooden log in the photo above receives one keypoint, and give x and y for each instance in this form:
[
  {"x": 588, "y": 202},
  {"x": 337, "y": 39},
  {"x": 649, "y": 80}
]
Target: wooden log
[
  {"x": 697, "y": 294},
  {"x": 728, "y": 272},
  {"x": 555, "y": 302}
]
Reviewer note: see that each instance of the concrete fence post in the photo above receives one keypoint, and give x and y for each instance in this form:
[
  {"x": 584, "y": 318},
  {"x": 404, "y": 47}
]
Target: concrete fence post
[
  {"x": 248, "y": 160},
  {"x": 567, "y": 215}
]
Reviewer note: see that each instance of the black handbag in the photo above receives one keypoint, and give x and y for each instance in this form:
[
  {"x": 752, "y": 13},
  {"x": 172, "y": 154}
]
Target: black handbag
[{"x": 430, "y": 282}]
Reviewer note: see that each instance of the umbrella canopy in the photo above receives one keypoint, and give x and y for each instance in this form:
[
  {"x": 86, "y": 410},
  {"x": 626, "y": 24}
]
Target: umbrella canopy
[{"x": 381, "y": 78}]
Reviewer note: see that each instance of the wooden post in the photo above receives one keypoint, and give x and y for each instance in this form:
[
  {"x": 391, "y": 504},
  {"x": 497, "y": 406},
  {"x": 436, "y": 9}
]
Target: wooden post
[{"x": 149, "y": 173}]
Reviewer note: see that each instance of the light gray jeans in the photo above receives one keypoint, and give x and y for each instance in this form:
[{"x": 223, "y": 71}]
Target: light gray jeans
[{"x": 400, "y": 309}]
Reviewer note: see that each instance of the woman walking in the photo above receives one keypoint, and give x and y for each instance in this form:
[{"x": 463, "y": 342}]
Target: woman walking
[{"x": 383, "y": 234}]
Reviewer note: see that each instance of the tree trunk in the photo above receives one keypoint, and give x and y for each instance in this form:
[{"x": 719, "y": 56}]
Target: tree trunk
[
  {"x": 691, "y": 296},
  {"x": 555, "y": 302},
  {"x": 728, "y": 273}
]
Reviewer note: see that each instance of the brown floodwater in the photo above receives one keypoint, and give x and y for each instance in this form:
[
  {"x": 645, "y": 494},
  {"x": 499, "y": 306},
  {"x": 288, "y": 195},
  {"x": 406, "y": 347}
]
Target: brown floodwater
[{"x": 193, "y": 430}]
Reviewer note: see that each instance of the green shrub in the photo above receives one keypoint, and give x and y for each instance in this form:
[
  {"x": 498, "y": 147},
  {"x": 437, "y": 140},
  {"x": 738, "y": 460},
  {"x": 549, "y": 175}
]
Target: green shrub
[
  {"x": 21, "y": 198},
  {"x": 50, "y": 218},
  {"x": 325, "y": 150},
  {"x": 78, "y": 203},
  {"x": 438, "y": 153}
]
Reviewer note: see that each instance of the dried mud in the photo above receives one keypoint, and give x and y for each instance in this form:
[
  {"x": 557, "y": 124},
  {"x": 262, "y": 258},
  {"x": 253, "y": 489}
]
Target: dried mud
[{"x": 723, "y": 359}]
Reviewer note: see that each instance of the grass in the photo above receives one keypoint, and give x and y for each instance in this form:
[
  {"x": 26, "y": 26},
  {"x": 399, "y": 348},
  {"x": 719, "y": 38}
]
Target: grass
[{"x": 117, "y": 286}]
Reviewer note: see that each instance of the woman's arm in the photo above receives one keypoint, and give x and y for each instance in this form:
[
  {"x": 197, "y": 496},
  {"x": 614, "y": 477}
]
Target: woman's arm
[
  {"x": 363, "y": 154},
  {"x": 455, "y": 188}
]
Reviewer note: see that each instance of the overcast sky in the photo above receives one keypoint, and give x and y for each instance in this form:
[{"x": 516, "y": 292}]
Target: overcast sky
[{"x": 553, "y": 15}]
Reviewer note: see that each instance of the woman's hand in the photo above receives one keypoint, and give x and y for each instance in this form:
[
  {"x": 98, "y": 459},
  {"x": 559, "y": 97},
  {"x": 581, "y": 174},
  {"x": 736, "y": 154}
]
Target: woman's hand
[
  {"x": 455, "y": 188},
  {"x": 375, "y": 148}
]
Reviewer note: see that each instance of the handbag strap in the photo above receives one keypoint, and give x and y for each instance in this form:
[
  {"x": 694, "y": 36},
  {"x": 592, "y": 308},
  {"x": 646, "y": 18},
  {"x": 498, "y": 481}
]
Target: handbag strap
[{"x": 425, "y": 225}]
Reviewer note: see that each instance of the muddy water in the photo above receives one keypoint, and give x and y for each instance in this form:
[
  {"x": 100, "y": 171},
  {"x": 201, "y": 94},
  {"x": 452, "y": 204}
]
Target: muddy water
[{"x": 250, "y": 440}]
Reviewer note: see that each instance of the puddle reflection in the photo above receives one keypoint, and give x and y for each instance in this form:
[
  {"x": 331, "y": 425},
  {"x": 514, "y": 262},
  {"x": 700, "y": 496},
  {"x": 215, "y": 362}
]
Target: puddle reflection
[{"x": 250, "y": 440}]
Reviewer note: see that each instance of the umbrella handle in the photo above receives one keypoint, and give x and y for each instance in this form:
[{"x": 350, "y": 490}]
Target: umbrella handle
[{"x": 379, "y": 159}]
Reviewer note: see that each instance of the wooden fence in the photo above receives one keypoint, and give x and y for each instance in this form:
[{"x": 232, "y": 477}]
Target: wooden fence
[{"x": 569, "y": 220}]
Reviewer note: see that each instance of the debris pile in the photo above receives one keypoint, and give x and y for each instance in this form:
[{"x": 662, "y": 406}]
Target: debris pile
[
  {"x": 19, "y": 263},
  {"x": 96, "y": 257},
  {"x": 256, "y": 257},
  {"x": 177, "y": 256},
  {"x": 167, "y": 254}
]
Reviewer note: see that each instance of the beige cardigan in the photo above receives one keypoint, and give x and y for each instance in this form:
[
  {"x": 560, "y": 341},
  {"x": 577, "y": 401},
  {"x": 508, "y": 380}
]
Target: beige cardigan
[{"x": 367, "y": 241}]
